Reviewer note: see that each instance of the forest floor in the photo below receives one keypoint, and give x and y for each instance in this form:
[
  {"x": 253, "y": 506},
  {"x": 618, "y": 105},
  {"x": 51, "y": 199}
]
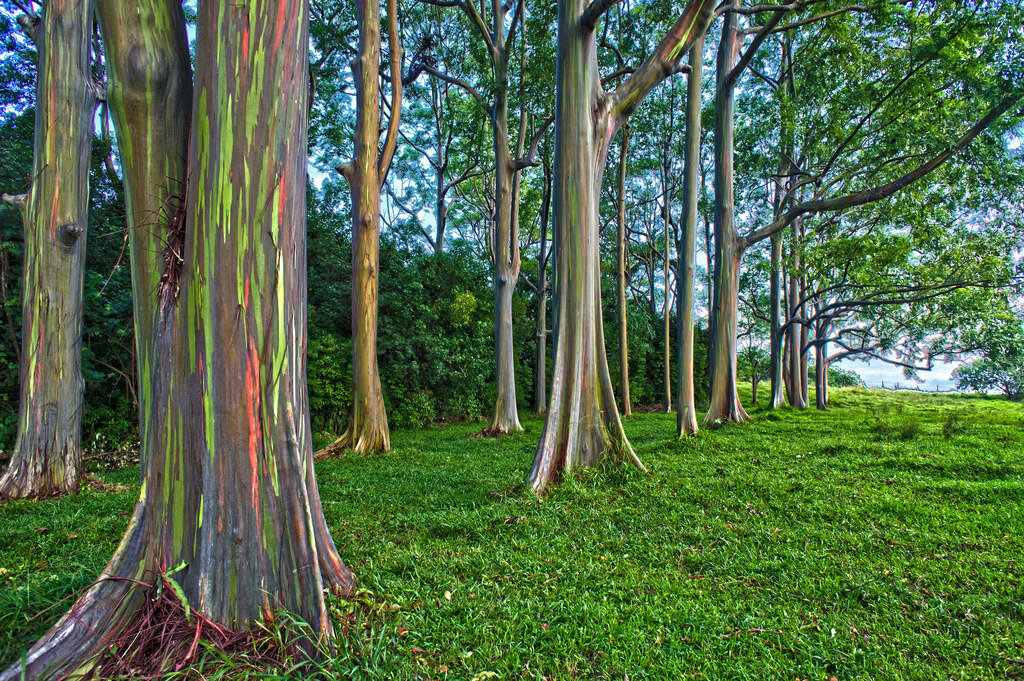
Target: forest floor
[{"x": 882, "y": 539}]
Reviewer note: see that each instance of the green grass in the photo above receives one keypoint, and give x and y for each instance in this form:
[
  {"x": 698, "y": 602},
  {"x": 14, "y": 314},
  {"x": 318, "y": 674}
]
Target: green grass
[{"x": 806, "y": 545}]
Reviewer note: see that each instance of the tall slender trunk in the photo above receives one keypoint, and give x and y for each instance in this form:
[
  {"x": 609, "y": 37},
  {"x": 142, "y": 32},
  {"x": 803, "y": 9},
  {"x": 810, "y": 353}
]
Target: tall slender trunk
[
  {"x": 804, "y": 333},
  {"x": 47, "y": 457},
  {"x": 775, "y": 365},
  {"x": 507, "y": 261},
  {"x": 821, "y": 368},
  {"x": 667, "y": 331},
  {"x": 228, "y": 490},
  {"x": 620, "y": 277},
  {"x": 440, "y": 202},
  {"x": 794, "y": 383},
  {"x": 541, "y": 334},
  {"x": 782, "y": 187},
  {"x": 725, "y": 402},
  {"x": 709, "y": 279},
  {"x": 368, "y": 422},
  {"x": 686, "y": 410}
]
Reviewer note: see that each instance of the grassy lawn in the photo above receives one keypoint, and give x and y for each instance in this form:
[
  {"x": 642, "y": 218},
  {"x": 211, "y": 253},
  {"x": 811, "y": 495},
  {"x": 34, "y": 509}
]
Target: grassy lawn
[{"x": 879, "y": 540}]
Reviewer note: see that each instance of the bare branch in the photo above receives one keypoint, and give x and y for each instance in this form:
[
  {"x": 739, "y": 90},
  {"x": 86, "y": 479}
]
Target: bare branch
[
  {"x": 594, "y": 11},
  {"x": 16, "y": 200},
  {"x": 530, "y": 160},
  {"x": 455, "y": 81}
]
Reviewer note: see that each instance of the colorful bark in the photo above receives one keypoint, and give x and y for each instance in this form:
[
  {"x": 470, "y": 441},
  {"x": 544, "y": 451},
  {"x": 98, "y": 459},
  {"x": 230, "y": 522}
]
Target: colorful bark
[
  {"x": 47, "y": 457},
  {"x": 583, "y": 425},
  {"x": 686, "y": 410},
  {"x": 228, "y": 488},
  {"x": 540, "y": 377},
  {"x": 620, "y": 277},
  {"x": 368, "y": 423},
  {"x": 725, "y": 402}
]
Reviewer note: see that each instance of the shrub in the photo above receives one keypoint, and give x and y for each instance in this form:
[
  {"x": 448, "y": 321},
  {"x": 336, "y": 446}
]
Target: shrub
[
  {"x": 957, "y": 423},
  {"x": 894, "y": 425}
]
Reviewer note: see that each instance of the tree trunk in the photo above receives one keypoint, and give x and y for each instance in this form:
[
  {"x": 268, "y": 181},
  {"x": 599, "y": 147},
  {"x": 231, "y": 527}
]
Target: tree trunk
[
  {"x": 821, "y": 376},
  {"x": 150, "y": 96},
  {"x": 506, "y": 271},
  {"x": 228, "y": 491},
  {"x": 794, "y": 388},
  {"x": 804, "y": 394},
  {"x": 440, "y": 208},
  {"x": 541, "y": 335},
  {"x": 47, "y": 457},
  {"x": 667, "y": 331},
  {"x": 754, "y": 381},
  {"x": 686, "y": 411},
  {"x": 583, "y": 425},
  {"x": 368, "y": 423},
  {"x": 620, "y": 278},
  {"x": 775, "y": 365},
  {"x": 725, "y": 402}
]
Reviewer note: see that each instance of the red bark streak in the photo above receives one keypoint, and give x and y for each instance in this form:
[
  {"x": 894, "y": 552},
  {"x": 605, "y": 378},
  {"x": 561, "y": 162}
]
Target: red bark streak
[
  {"x": 283, "y": 195},
  {"x": 38, "y": 376},
  {"x": 54, "y": 216},
  {"x": 252, "y": 385},
  {"x": 279, "y": 29},
  {"x": 245, "y": 44}
]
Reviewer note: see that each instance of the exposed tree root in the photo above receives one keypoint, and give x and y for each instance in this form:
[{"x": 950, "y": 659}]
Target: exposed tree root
[
  {"x": 166, "y": 635},
  {"x": 492, "y": 431},
  {"x": 367, "y": 439}
]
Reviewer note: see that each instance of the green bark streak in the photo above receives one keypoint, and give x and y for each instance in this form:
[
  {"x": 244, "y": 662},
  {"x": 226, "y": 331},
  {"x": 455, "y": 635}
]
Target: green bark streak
[
  {"x": 228, "y": 481},
  {"x": 47, "y": 458}
]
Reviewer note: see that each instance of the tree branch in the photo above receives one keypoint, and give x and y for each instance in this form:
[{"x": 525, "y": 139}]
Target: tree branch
[
  {"x": 661, "y": 63},
  {"x": 822, "y": 205},
  {"x": 594, "y": 11},
  {"x": 455, "y": 81},
  {"x": 395, "y": 47},
  {"x": 530, "y": 160}
]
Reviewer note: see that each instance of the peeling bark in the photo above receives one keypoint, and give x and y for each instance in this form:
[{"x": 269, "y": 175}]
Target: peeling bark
[{"x": 228, "y": 489}]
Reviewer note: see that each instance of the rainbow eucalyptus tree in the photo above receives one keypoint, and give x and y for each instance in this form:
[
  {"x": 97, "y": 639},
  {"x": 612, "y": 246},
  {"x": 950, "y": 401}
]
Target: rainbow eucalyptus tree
[
  {"x": 498, "y": 34},
  {"x": 622, "y": 237},
  {"x": 47, "y": 457},
  {"x": 228, "y": 491},
  {"x": 368, "y": 423},
  {"x": 583, "y": 425},
  {"x": 826, "y": 175},
  {"x": 149, "y": 93},
  {"x": 686, "y": 410}
]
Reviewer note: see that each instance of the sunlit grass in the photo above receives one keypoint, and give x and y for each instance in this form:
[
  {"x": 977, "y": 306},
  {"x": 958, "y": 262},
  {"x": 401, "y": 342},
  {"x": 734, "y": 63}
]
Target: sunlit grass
[{"x": 807, "y": 545}]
